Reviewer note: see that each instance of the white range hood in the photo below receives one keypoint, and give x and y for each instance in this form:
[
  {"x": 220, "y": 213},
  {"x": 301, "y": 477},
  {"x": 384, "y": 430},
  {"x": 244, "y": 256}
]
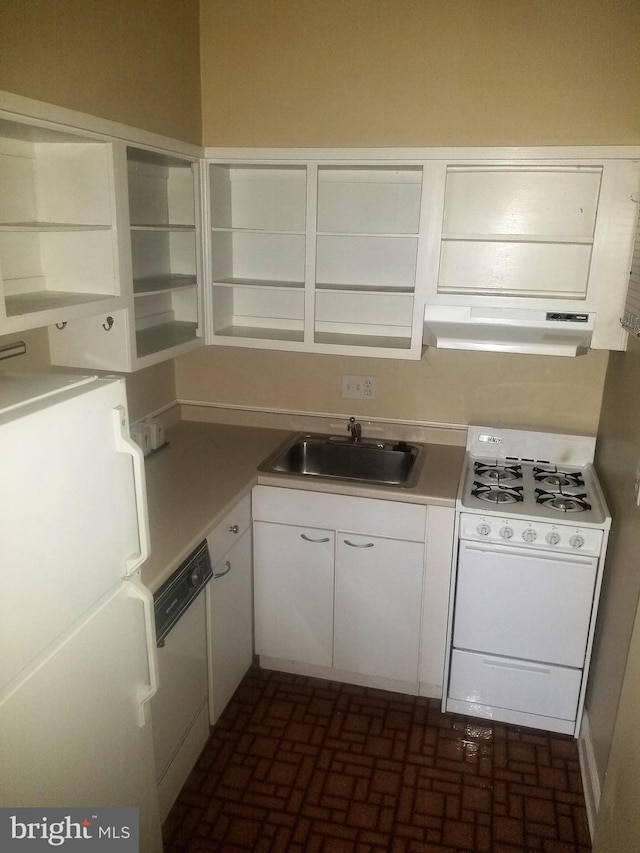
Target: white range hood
[{"x": 511, "y": 331}]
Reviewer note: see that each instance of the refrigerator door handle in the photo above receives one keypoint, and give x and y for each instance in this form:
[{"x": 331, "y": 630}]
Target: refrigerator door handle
[
  {"x": 125, "y": 445},
  {"x": 146, "y": 692}
]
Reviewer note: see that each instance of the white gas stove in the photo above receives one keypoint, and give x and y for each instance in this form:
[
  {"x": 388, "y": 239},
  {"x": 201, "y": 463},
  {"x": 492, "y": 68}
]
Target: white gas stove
[{"x": 532, "y": 527}]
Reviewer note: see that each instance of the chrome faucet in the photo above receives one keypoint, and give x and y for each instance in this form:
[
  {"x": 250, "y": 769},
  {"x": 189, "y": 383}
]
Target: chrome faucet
[{"x": 355, "y": 429}]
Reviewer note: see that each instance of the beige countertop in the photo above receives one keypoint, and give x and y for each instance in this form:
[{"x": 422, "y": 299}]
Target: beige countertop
[{"x": 207, "y": 468}]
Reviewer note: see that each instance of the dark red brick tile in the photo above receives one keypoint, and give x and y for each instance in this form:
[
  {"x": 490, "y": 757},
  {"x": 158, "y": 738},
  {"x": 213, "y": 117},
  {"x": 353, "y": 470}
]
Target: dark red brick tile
[{"x": 307, "y": 766}]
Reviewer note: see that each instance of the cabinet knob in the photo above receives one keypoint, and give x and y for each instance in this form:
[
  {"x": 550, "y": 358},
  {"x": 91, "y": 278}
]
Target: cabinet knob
[{"x": 234, "y": 529}]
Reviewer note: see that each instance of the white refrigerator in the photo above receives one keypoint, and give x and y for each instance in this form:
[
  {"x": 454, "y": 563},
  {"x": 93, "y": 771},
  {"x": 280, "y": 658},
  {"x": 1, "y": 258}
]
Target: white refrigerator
[{"x": 77, "y": 638}]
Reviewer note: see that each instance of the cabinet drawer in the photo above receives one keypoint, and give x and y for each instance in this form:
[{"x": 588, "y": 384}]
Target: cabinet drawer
[
  {"x": 340, "y": 512},
  {"x": 230, "y": 529},
  {"x": 534, "y": 688}
]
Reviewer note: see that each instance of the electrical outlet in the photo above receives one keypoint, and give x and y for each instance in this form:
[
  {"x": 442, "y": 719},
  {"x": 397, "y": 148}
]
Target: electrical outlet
[{"x": 359, "y": 387}]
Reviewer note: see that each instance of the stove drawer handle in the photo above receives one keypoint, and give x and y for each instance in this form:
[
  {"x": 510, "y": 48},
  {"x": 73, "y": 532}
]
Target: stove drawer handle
[
  {"x": 521, "y": 667},
  {"x": 534, "y": 554}
]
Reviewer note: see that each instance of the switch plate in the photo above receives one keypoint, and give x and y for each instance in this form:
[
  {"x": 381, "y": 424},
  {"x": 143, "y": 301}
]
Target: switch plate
[{"x": 359, "y": 387}]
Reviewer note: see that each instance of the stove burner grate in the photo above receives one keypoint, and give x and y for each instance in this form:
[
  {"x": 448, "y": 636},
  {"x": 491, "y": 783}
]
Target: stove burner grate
[
  {"x": 497, "y": 472},
  {"x": 561, "y": 502},
  {"x": 496, "y": 493},
  {"x": 553, "y": 477}
]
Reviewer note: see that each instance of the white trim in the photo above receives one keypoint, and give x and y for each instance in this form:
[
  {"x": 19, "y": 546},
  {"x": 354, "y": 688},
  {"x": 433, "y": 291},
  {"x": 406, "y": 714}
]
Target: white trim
[
  {"x": 450, "y": 154},
  {"x": 589, "y": 773},
  {"x": 326, "y": 422},
  {"x": 27, "y": 109}
]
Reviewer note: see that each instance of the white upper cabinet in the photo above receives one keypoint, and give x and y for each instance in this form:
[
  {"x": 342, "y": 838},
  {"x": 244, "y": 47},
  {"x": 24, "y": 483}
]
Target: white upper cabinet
[
  {"x": 258, "y": 252},
  {"x": 128, "y": 245},
  {"x": 532, "y": 253},
  {"x": 159, "y": 253},
  {"x": 162, "y": 192},
  {"x": 58, "y": 256},
  {"x": 316, "y": 256}
]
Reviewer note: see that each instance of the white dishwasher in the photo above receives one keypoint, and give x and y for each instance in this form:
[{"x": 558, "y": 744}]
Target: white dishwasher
[{"x": 180, "y": 709}]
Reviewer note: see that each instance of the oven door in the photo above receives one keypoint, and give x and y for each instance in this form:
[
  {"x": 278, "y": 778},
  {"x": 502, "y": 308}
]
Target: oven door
[{"x": 523, "y": 603}]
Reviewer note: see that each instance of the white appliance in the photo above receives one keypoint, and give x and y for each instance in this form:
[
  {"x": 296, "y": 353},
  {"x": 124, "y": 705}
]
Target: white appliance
[
  {"x": 77, "y": 639},
  {"x": 180, "y": 708},
  {"x": 532, "y": 528}
]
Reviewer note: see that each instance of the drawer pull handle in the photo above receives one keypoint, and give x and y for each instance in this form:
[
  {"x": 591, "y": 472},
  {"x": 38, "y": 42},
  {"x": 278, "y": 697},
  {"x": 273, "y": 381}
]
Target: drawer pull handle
[
  {"x": 234, "y": 529},
  {"x": 309, "y": 539},
  {"x": 227, "y": 569},
  {"x": 356, "y": 545},
  {"x": 520, "y": 667}
]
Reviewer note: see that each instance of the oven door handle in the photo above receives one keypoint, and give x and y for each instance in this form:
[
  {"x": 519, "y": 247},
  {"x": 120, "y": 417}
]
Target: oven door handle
[{"x": 530, "y": 553}]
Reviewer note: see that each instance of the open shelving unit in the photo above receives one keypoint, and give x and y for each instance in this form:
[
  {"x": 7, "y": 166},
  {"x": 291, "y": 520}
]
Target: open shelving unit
[
  {"x": 164, "y": 250},
  {"x": 368, "y": 219},
  {"x": 57, "y": 226},
  {"x": 159, "y": 253},
  {"x": 521, "y": 230},
  {"x": 258, "y": 251},
  {"x": 315, "y": 256}
]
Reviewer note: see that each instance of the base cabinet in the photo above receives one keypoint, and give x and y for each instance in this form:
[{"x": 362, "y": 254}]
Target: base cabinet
[
  {"x": 329, "y": 594},
  {"x": 230, "y": 607},
  {"x": 294, "y": 584},
  {"x": 378, "y": 606}
]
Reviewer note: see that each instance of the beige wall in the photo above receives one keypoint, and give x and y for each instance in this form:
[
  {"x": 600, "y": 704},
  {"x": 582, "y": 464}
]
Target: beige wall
[
  {"x": 444, "y": 387},
  {"x": 132, "y": 61},
  {"x": 617, "y": 459},
  {"x": 412, "y": 72},
  {"x": 618, "y": 827}
]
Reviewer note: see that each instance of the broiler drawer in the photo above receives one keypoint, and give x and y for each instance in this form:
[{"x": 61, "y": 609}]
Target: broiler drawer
[{"x": 515, "y": 685}]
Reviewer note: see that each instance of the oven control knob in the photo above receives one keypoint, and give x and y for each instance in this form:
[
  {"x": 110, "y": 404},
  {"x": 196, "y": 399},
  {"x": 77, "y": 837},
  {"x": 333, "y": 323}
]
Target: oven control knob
[
  {"x": 529, "y": 535},
  {"x": 576, "y": 541},
  {"x": 483, "y": 529},
  {"x": 506, "y": 532},
  {"x": 552, "y": 538}
]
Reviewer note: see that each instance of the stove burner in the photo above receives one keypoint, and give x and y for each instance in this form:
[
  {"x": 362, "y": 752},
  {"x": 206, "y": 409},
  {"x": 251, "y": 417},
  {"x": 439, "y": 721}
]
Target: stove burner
[
  {"x": 497, "y": 472},
  {"x": 497, "y": 494},
  {"x": 553, "y": 477},
  {"x": 561, "y": 502}
]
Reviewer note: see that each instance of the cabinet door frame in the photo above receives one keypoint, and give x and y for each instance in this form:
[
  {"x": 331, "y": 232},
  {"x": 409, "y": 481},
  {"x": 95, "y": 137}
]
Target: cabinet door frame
[
  {"x": 294, "y": 613},
  {"x": 379, "y": 590}
]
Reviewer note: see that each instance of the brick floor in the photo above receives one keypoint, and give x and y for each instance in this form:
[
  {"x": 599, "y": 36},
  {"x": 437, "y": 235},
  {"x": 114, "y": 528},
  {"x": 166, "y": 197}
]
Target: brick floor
[{"x": 300, "y": 764}]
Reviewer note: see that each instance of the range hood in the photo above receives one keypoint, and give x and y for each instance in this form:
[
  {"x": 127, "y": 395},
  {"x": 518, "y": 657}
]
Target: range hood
[{"x": 511, "y": 331}]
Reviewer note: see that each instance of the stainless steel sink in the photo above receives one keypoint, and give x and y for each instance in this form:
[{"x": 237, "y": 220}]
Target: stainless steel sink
[{"x": 381, "y": 463}]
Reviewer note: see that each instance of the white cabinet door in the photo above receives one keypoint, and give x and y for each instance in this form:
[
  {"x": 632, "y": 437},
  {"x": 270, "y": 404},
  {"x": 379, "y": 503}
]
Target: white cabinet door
[
  {"x": 378, "y": 606},
  {"x": 293, "y": 587},
  {"x": 231, "y": 632}
]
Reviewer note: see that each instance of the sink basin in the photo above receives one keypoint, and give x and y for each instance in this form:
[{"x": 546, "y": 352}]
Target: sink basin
[{"x": 380, "y": 463}]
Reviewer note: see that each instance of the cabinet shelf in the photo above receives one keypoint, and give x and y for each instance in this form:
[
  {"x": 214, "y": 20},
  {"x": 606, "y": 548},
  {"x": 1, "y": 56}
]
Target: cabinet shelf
[
  {"x": 162, "y": 283},
  {"x": 277, "y": 231},
  {"x": 48, "y": 300},
  {"x": 165, "y": 337},
  {"x": 352, "y": 339},
  {"x": 381, "y": 235},
  {"x": 364, "y": 289},
  {"x": 261, "y": 283},
  {"x": 162, "y": 227},
  {"x": 258, "y": 333},
  {"x": 51, "y": 226},
  {"x": 518, "y": 238}
]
